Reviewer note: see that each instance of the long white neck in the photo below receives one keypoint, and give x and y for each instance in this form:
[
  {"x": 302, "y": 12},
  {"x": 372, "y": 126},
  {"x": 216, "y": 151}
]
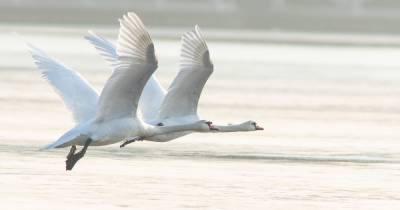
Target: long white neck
[
  {"x": 159, "y": 130},
  {"x": 231, "y": 128}
]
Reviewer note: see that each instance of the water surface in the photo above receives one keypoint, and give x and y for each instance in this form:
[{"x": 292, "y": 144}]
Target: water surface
[{"x": 331, "y": 118}]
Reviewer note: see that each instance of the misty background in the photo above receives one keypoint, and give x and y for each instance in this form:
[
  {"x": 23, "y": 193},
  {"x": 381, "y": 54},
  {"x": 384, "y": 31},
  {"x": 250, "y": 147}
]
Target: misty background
[
  {"x": 339, "y": 16},
  {"x": 321, "y": 76}
]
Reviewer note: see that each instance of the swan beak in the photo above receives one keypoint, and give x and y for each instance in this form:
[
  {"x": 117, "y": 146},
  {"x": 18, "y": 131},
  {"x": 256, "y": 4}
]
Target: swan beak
[{"x": 259, "y": 128}]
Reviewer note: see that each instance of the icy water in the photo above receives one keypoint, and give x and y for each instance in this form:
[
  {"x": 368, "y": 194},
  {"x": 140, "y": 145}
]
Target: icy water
[{"x": 331, "y": 140}]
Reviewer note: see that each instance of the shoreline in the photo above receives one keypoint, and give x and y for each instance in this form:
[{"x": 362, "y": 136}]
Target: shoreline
[{"x": 221, "y": 35}]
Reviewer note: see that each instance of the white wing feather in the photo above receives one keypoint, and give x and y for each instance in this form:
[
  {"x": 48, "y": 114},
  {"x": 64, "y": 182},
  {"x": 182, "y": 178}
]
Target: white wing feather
[
  {"x": 106, "y": 49},
  {"x": 153, "y": 93},
  {"x": 75, "y": 91},
  {"x": 136, "y": 63},
  {"x": 195, "y": 68},
  {"x": 151, "y": 99}
]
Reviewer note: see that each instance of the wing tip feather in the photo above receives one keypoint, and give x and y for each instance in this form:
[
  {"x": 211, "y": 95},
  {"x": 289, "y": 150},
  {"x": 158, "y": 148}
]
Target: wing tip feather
[
  {"x": 134, "y": 41},
  {"x": 194, "y": 49}
]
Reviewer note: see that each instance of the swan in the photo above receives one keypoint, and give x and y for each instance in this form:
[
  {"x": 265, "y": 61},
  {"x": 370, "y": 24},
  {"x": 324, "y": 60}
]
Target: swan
[
  {"x": 178, "y": 104},
  {"x": 113, "y": 116},
  {"x": 157, "y": 106}
]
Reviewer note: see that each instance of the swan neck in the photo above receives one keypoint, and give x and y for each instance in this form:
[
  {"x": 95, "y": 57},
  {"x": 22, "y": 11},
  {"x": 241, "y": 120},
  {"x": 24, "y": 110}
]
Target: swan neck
[
  {"x": 159, "y": 130},
  {"x": 230, "y": 128}
]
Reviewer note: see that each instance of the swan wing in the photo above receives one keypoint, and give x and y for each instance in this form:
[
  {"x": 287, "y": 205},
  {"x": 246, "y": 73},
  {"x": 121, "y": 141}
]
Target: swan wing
[
  {"x": 195, "y": 68},
  {"x": 78, "y": 95},
  {"x": 153, "y": 93},
  {"x": 151, "y": 99},
  {"x": 136, "y": 63},
  {"x": 106, "y": 49}
]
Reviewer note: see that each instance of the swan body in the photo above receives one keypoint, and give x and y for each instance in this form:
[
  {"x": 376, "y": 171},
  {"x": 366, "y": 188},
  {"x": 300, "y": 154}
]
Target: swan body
[
  {"x": 115, "y": 118},
  {"x": 102, "y": 133},
  {"x": 173, "y": 121}
]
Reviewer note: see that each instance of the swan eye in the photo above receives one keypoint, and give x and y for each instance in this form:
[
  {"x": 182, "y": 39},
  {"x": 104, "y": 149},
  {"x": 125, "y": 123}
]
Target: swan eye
[
  {"x": 160, "y": 124},
  {"x": 253, "y": 123}
]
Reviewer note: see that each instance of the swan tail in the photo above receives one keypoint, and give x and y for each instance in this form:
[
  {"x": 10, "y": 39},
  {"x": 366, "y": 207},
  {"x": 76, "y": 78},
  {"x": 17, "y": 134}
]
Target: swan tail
[{"x": 72, "y": 137}]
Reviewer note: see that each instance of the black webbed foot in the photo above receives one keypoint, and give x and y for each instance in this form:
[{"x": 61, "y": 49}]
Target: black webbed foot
[
  {"x": 71, "y": 151},
  {"x": 72, "y": 160},
  {"x": 72, "y": 157}
]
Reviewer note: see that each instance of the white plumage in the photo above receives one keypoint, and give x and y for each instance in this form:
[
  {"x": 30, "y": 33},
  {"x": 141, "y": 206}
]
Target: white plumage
[
  {"x": 180, "y": 103},
  {"x": 75, "y": 91},
  {"x": 115, "y": 117},
  {"x": 195, "y": 68},
  {"x": 194, "y": 51},
  {"x": 176, "y": 106},
  {"x": 104, "y": 47}
]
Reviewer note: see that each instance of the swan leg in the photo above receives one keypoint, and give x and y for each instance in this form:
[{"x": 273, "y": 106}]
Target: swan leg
[
  {"x": 73, "y": 157},
  {"x": 130, "y": 141},
  {"x": 71, "y": 151}
]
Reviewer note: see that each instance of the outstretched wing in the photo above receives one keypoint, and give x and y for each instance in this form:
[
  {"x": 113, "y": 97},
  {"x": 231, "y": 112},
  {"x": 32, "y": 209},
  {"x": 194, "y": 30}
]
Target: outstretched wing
[
  {"x": 136, "y": 63},
  {"x": 153, "y": 93},
  {"x": 106, "y": 49},
  {"x": 151, "y": 99},
  {"x": 195, "y": 68},
  {"x": 75, "y": 91}
]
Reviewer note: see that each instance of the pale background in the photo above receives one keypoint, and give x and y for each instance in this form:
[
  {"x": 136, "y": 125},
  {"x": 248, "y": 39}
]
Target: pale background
[{"x": 322, "y": 77}]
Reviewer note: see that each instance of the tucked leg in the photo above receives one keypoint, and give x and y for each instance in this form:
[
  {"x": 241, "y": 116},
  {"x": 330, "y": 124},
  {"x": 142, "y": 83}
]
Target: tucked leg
[
  {"x": 73, "y": 157},
  {"x": 130, "y": 141}
]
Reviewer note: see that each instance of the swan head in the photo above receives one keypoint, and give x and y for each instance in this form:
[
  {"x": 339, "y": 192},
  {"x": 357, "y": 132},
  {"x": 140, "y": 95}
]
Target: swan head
[{"x": 252, "y": 126}]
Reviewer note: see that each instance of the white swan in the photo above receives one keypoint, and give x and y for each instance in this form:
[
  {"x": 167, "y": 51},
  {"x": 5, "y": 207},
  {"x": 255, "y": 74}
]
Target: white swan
[
  {"x": 179, "y": 104},
  {"x": 114, "y": 117}
]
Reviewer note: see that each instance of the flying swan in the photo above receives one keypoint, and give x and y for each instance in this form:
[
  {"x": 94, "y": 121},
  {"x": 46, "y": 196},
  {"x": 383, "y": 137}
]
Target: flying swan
[{"x": 178, "y": 104}]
